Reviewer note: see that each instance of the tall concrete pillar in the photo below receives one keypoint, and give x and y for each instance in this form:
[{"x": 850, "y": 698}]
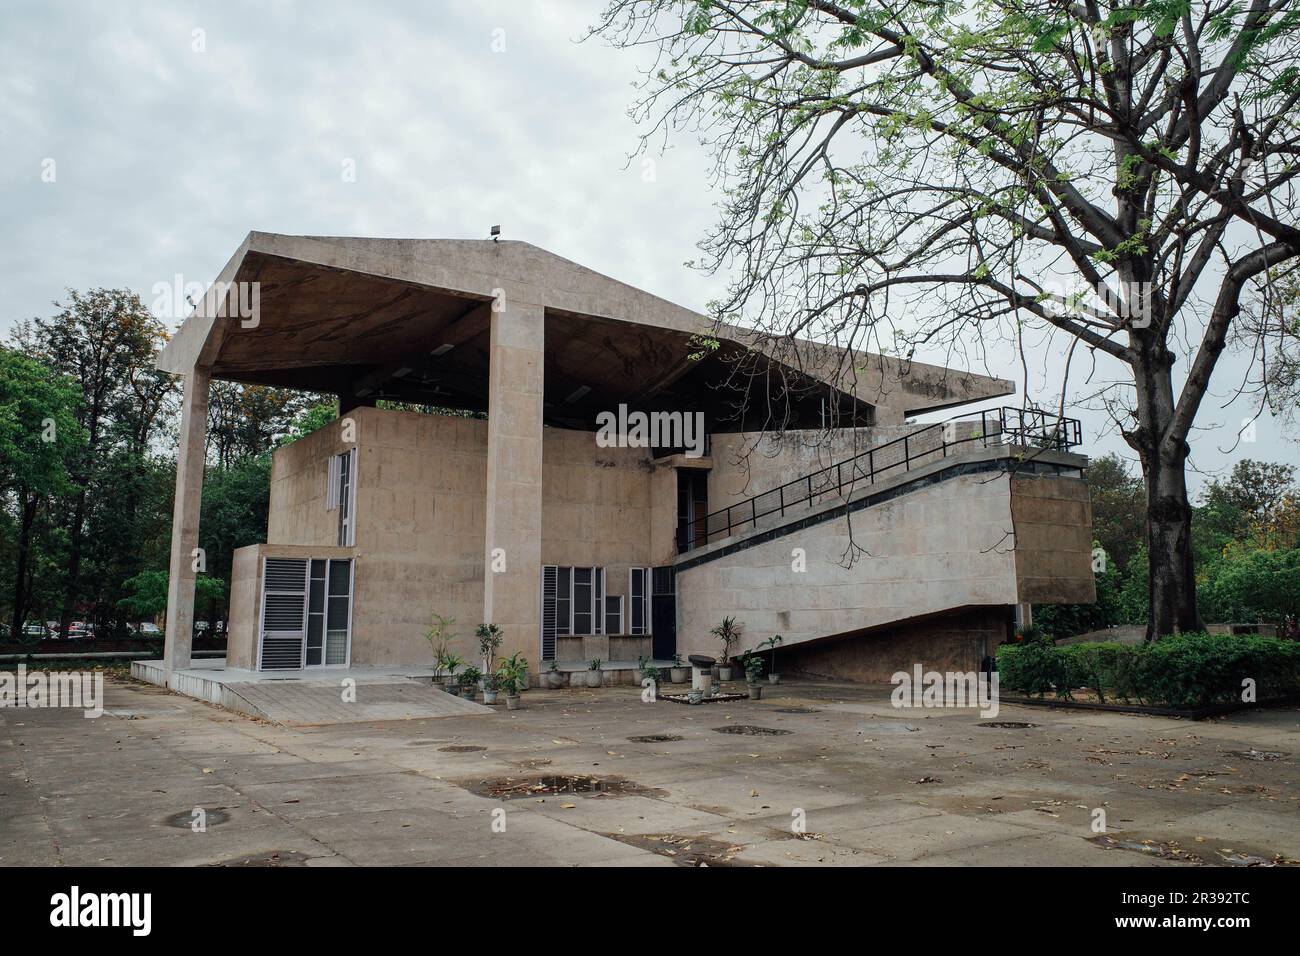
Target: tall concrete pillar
[
  {"x": 190, "y": 456},
  {"x": 513, "y": 559}
]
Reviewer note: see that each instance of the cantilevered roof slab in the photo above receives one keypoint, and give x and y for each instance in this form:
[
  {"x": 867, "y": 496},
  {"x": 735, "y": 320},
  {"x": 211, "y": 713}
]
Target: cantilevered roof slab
[{"x": 409, "y": 320}]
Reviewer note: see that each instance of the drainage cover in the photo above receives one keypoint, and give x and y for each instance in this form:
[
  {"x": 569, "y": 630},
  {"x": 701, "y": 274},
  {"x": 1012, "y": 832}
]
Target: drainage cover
[
  {"x": 797, "y": 710},
  {"x": 1008, "y": 724},
  {"x": 1258, "y": 754},
  {"x": 655, "y": 739},
  {"x": 185, "y": 819},
  {"x": 685, "y": 850},
  {"x": 268, "y": 858},
  {"x": 749, "y": 730},
  {"x": 461, "y": 749},
  {"x": 576, "y": 785}
]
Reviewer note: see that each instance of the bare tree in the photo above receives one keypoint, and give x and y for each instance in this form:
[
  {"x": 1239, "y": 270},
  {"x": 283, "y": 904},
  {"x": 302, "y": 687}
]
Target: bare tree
[{"x": 916, "y": 175}]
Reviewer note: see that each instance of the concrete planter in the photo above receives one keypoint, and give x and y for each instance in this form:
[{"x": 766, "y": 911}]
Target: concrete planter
[
  {"x": 555, "y": 679},
  {"x": 774, "y": 678},
  {"x": 755, "y": 691},
  {"x": 679, "y": 675},
  {"x": 512, "y": 702},
  {"x": 489, "y": 697},
  {"x": 724, "y": 671},
  {"x": 468, "y": 690},
  {"x": 593, "y": 678}
]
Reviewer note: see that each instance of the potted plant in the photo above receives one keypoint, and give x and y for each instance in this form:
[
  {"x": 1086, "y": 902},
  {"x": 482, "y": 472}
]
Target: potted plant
[
  {"x": 469, "y": 679},
  {"x": 772, "y": 642},
  {"x": 554, "y": 676},
  {"x": 491, "y": 684},
  {"x": 449, "y": 664},
  {"x": 754, "y": 675},
  {"x": 439, "y": 635},
  {"x": 728, "y": 632},
  {"x": 679, "y": 672},
  {"x": 512, "y": 674},
  {"x": 489, "y": 642},
  {"x": 652, "y": 673},
  {"x": 593, "y": 672},
  {"x": 642, "y": 668}
]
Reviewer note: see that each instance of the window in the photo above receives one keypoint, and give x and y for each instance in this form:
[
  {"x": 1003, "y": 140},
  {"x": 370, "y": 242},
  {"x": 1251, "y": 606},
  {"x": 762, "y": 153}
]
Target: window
[
  {"x": 582, "y": 602},
  {"x": 614, "y": 614},
  {"x": 341, "y": 495},
  {"x": 638, "y": 602},
  {"x": 578, "y": 598}
]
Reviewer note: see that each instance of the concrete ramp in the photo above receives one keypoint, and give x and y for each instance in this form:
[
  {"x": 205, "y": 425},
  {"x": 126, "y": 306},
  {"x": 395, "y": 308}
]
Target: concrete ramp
[
  {"x": 304, "y": 703},
  {"x": 307, "y": 698}
]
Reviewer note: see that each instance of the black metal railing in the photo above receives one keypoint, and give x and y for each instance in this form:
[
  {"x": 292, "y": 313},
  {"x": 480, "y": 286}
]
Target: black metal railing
[{"x": 1021, "y": 427}]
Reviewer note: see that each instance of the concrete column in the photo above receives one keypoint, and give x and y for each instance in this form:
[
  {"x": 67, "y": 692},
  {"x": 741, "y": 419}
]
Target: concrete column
[
  {"x": 190, "y": 456},
  {"x": 512, "y": 597}
]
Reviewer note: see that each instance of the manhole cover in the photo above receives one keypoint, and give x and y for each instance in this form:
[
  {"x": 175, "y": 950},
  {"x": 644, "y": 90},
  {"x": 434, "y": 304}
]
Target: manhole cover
[
  {"x": 575, "y": 785},
  {"x": 749, "y": 730},
  {"x": 269, "y": 858},
  {"x": 185, "y": 820},
  {"x": 797, "y": 710},
  {"x": 1008, "y": 724},
  {"x": 1258, "y": 754},
  {"x": 656, "y": 739},
  {"x": 685, "y": 850},
  {"x": 461, "y": 749}
]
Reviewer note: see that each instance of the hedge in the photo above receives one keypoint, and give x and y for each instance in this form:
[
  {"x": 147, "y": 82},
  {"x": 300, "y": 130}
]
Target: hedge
[{"x": 1185, "y": 670}]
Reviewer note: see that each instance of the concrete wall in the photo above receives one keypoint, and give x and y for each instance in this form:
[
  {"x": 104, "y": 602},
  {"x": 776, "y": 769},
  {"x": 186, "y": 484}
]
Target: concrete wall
[
  {"x": 421, "y": 512},
  {"x": 944, "y": 546},
  {"x": 956, "y": 641},
  {"x": 245, "y": 624},
  {"x": 1053, "y": 520},
  {"x": 938, "y": 569}
]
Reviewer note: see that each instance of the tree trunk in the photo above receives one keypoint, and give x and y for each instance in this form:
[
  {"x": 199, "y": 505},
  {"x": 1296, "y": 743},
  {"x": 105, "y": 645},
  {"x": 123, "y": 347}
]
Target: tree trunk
[
  {"x": 1171, "y": 586},
  {"x": 20, "y": 564}
]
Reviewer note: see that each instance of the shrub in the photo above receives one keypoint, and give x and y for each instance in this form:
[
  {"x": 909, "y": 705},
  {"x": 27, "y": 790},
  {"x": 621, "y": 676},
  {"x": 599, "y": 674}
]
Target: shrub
[{"x": 1185, "y": 670}]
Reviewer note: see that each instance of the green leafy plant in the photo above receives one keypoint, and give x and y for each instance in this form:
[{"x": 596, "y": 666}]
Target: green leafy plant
[
  {"x": 470, "y": 675},
  {"x": 1182, "y": 670},
  {"x": 593, "y": 664},
  {"x": 677, "y": 660},
  {"x": 440, "y": 635},
  {"x": 513, "y": 672},
  {"x": 771, "y": 644},
  {"x": 753, "y": 667},
  {"x": 728, "y": 632},
  {"x": 448, "y": 663},
  {"x": 489, "y": 642},
  {"x": 653, "y": 673}
]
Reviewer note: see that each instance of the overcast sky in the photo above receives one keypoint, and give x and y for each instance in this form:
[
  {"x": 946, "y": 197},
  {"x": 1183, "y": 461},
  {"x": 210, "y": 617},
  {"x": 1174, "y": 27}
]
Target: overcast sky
[{"x": 176, "y": 128}]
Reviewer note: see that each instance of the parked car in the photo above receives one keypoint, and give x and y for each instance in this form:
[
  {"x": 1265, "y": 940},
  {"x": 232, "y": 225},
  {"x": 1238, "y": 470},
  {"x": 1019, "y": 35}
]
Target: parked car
[
  {"x": 81, "y": 631},
  {"x": 37, "y": 630},
  {"x": 145, "y": 629}
]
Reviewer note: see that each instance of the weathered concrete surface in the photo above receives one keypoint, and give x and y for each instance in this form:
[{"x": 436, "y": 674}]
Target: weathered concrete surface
[
  {"x": 77, "y": 791},
  {"x": 923, "y": 546}
]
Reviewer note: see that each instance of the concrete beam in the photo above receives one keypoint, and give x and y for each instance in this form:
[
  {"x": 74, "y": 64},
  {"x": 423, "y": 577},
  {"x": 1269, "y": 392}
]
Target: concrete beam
[{"x": 190, "y": 459}]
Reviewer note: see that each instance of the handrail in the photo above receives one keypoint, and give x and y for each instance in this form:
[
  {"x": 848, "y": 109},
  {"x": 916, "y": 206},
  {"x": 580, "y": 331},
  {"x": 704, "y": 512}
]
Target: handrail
[{"x": 1025, "y": 427}]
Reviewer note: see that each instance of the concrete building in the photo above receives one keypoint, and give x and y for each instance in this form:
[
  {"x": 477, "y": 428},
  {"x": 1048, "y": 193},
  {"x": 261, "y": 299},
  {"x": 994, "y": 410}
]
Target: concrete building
[{"x": 869, "y": 543}]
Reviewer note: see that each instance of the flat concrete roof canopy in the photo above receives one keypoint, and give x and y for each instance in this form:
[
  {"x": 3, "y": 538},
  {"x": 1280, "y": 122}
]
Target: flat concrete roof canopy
[{"x": 409, "y": 320}]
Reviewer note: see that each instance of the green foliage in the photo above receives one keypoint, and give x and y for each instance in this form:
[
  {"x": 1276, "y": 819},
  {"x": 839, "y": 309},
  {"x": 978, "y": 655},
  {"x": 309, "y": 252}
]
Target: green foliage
[
  {"x": 1183, "y": 670},
  {"x": 513, "y": 673},
  {"x": 39, "y": 431},
  {"x": 146, "y": 594},
  {"x": 1253, "y": 586},
  {"x": 470, "y": 675},
  {"x": 728, "y": 633}
]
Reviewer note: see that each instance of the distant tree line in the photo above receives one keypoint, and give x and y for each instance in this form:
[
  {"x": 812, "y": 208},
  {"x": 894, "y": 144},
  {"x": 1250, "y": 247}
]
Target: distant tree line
[
  {"x": 88, "y": 467},
  {"x": 1245, "y": 534}
]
